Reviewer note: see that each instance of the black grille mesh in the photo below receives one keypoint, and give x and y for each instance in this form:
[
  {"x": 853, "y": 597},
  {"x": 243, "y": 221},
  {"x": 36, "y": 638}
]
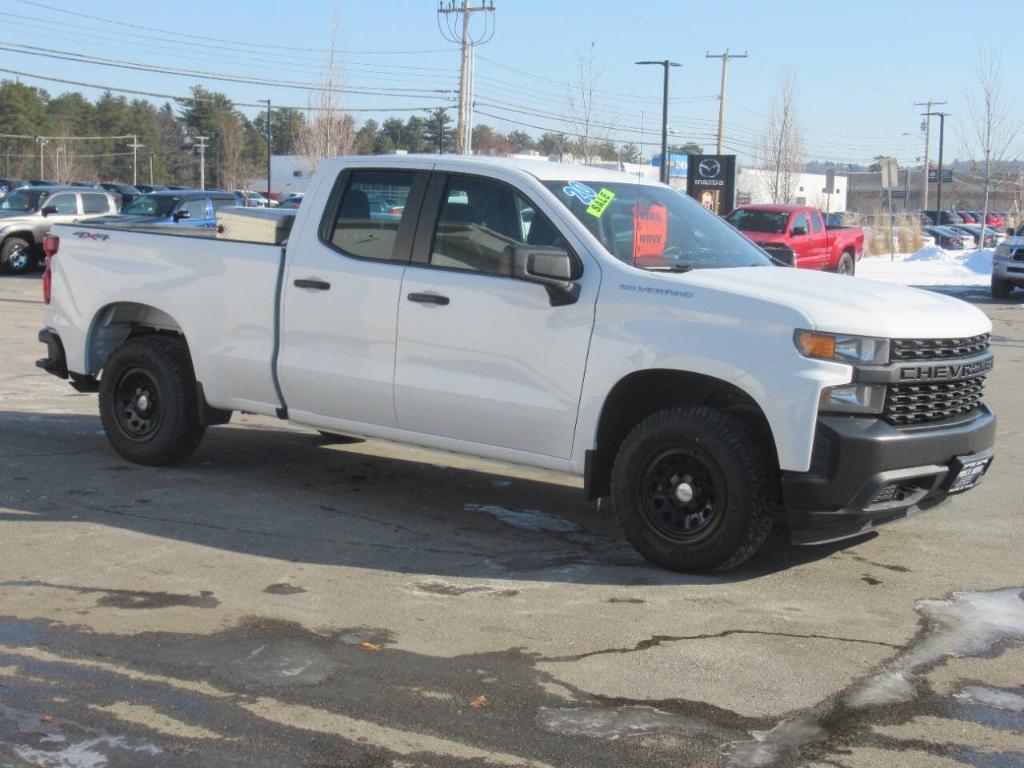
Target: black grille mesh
[
  {"x": 935, "y": 401},
  {"x": 938, "y": 349}
]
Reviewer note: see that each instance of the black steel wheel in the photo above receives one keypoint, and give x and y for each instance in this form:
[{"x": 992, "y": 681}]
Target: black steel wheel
[
  {"x": 682, "y": 494},
  {"x": 693, "y": 490},
  {"x": 149, "y": 401}
]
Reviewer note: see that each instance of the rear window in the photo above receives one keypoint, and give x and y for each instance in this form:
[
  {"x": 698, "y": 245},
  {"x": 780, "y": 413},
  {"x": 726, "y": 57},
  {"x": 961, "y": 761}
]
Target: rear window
[
  {"x": 92, "y": 203},
  {"x": 363, "y": 230}
]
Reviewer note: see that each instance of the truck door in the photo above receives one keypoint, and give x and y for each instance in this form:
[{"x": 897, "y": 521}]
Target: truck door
[
  {"x": 800, "y": 240},
  {"x": 483, "y": 356},
  {"x": 339, "y": 300},
  {"x": 819, "y": 241}
]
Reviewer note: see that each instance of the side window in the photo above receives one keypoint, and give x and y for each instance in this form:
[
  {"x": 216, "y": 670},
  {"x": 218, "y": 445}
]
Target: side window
[
  {"x": 816, "y": 221},
  {"x": 800, "y": 221},
  {"x": 196, "y": 208},
  {"x": 479, "y": 219},
  {"x": 220, "y": 203},
  {"x": 63, "y": 203},
  {"x": 371, "y": 211},
  {"x": 93, "y": 203}
]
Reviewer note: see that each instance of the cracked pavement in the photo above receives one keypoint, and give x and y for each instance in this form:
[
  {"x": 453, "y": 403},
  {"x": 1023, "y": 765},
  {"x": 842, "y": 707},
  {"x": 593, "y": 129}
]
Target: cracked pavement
[{"x": 283, "y": 599}]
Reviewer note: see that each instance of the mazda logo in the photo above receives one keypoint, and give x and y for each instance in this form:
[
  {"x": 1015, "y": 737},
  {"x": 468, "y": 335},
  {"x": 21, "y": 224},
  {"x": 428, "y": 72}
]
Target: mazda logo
[{"x": 709, "y": 168}]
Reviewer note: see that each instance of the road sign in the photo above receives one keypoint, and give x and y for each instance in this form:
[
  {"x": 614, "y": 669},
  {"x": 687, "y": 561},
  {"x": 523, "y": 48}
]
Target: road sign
[
  {"x": 830, "y": 180},
  {"x": 947, "y": 175},
  {"x": 890, "y": 172}
]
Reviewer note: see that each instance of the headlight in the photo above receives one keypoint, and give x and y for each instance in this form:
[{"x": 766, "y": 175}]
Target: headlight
[
  {"x": 853, "y": 398},
  {"x": 842, "y": 348},
  {"x": 1002, "y": 251}
]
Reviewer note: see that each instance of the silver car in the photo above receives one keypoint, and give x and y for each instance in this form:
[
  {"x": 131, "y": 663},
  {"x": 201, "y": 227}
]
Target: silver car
[{"x": 26, "y": 215}]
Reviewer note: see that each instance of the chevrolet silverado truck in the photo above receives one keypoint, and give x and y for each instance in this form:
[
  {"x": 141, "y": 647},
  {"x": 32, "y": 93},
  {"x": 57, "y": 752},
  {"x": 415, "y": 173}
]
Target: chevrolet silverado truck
[
  {"x": 555, "y": 316},
  {"x": 798, "y": 235}
]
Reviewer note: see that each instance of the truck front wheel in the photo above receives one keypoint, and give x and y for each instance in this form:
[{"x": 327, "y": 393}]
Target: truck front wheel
[
  {"x": 149, "y": 402},
  {"x": 692, "y": 490},
  {"x": 1000, "y": 288}
]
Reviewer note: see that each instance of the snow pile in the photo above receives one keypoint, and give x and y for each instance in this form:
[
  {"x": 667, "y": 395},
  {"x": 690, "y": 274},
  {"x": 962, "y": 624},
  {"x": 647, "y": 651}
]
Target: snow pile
[{"x": 931, "y": 267}]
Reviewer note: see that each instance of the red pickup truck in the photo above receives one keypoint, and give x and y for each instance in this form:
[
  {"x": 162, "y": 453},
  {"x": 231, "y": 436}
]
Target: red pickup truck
[{"x": 799, "y": 236}]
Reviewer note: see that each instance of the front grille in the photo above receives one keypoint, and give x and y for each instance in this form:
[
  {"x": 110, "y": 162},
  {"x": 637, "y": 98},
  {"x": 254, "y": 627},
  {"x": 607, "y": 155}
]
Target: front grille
[
  {"x": 938, "y": 349},
  {"x": 921, "y": 403},
  {"x": 1018, "y": 255}
]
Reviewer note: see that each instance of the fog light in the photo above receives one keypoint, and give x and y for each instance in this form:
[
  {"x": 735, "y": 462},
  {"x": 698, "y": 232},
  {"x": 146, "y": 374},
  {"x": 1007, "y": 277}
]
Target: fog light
[{"x": 853, "y": 398}]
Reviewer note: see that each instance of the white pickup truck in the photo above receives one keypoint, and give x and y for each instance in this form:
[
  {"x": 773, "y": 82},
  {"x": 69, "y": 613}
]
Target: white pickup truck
[{"x": 556, "y": 316}]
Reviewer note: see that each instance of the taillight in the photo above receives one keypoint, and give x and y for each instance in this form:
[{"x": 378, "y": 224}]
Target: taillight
[{"x": 51, "y": 244}]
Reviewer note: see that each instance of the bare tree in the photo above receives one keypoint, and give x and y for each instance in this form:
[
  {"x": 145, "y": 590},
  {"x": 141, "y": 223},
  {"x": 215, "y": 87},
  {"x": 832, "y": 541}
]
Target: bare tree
[
  {"x": 584, "y": 115},
  {"x": 780, "y": 148},
  {"x": 232, "y": 135},
  {"x": 994, "y": 134},
  {"x": 64, "y": 157},
  {"x": 328, "y": 131}
]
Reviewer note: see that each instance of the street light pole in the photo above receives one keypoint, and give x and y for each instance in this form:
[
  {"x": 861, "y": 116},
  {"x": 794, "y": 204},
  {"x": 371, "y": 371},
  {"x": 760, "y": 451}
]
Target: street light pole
[
  {"x": 267, "y": 102},
  {"x": 664, "y": 116}
]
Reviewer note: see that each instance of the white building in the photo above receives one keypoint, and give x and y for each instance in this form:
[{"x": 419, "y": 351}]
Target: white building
[
  {"x": 287, "y": 175},
  {"x": 753, "y": 186}
]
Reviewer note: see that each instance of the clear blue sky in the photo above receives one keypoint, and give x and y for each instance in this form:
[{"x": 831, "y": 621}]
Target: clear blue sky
[{"x": 859, "y": 66}]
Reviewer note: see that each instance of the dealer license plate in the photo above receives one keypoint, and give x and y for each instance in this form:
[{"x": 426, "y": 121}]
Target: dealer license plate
[{"x": 970, "y": 474}]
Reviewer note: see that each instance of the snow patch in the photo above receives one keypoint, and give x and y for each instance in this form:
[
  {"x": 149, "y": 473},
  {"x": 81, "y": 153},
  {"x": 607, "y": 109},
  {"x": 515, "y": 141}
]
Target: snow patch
[
  {"x": 992, "y": 697},
  {"x": 526, "y": 519},
  {"x": 89, "y": 753},
  {"x": 966, "y": 624},
  {"x": 613, "y": 724},
  {"x": 770, "y": 747},
  {"x": 931, "y": 267}
]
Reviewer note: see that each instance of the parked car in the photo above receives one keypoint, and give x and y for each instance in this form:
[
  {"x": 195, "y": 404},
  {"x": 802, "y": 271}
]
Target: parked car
[
  {"x": 698, "y": 387},
  {"x": 26, "y": 215},
  {"x": 85, "y": 185},
  {"x": 969, "y": 217},
  {"x": 947, "y": 217},
  {"x": 147, "y": 188},
  {"x": 992, "y": 236},
  {"x": 42, "y": 183},
  {"x": 292, "y": 201},
  {"x": 125, "y": 192},
  {"x": 251, "y": 199},
  {"x": 798, "y": 235},
  {"x": 171, "y": 208},
  {"x": 8, "y": 185},
  {"x": 948, "y": 238},
  {"x": 1008, "y": 265}
]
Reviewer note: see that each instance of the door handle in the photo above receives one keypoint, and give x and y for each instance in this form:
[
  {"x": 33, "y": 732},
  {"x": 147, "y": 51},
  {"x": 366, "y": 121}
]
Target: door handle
[
  {"x": 429, "y": 298},
  {"x": 319, "y": 285}
]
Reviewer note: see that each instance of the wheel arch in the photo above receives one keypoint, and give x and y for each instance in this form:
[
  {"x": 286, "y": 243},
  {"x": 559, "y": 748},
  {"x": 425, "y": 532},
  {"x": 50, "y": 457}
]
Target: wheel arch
[
  {"x": 642, "y": 393},
  {"x": 25, "y": 234},
  {"x": 119, "y": 321}
]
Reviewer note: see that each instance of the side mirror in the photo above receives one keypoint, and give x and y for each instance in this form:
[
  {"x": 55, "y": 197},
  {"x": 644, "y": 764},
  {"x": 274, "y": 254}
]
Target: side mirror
[
  {"x": 179, "y": 215},
  {"x": 551, "y": 267},
  {"x": 48, "y": 209},
  {"x": 798, "y": 231}
]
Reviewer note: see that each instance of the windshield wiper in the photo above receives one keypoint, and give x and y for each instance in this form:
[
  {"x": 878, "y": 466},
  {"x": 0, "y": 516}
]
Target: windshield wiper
[{"x": 671, "y": 268}]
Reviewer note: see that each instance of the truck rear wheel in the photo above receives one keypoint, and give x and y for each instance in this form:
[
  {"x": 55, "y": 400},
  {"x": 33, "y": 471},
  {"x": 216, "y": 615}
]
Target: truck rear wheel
[
  {"x": 846, "y": 265},
  {"x": 149, "y": 402},
  {"x": 1001, "y": 289},
  {"x": 692, "y": 491}
]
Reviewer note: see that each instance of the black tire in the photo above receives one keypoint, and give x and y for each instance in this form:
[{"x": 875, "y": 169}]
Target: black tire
[
  {"x": 729, "y": 514},
  {"x": 149, "y": 401},
  {"x": 847, "y": 265},
  {"x": 1001, "y": 289},
  {"x": 16, "y": 257}
]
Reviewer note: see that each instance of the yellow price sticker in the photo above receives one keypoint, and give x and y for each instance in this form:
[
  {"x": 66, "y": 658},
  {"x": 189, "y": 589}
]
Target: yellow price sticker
[{"x": 601, "y": 202}]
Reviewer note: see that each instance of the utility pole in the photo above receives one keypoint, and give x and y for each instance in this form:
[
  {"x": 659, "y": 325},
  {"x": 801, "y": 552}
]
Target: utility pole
[
  {"x": 151, "y": 167},
  {"x": 267, "y": 102},
  {"x": 664, "y": 115},
  {"x": 135, "y": 158},
  {"x": 202, "y": 160},
  {"x": 455, "y": 10},
  {"x": 43, "y": 141},
  {"x": 721, "y": 98},
  {"x": 938, "y": 191},
  {"x": 927, "y": 143}
]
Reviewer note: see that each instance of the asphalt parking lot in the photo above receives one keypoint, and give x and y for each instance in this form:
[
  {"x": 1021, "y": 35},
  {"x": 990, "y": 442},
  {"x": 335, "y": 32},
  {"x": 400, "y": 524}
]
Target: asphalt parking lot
[{"x": 281, "y": 599}]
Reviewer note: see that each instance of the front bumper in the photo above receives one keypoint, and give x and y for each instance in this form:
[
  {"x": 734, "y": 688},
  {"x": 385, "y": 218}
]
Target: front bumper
[
  {"x": 866, "y": 472},
  {"x": 1010, "y": 270}
]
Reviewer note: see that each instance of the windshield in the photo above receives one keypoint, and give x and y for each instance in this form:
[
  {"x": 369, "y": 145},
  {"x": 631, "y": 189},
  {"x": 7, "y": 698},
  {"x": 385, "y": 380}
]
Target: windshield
[
  {"x": 759, "y": 221},
  {"x": 151, "y": 205},
  {"x": 22, "y": 200},
  {"x": 655, "y": 227}
]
